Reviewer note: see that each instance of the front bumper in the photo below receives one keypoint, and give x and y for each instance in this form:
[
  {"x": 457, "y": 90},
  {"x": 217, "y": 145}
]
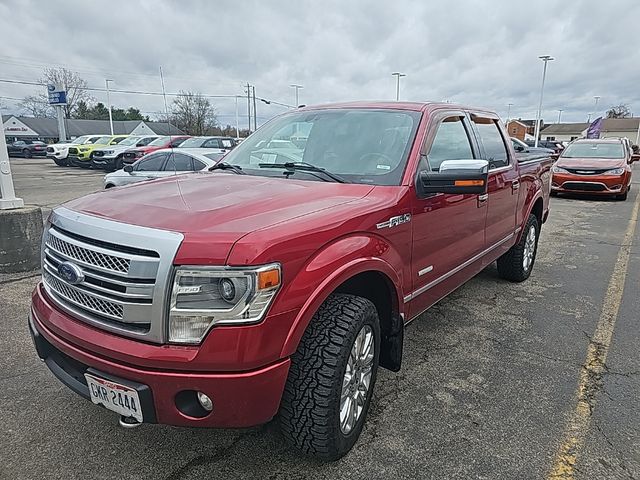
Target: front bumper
[
  {"x": 103, "y": 162},
  {"x": 241, "y": 399},
  {"x": 82, "y": 161},
  {"x": 590, "y": 184}
]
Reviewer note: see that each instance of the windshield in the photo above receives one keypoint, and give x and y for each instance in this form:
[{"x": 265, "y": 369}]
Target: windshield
[
  {"x": 193, "y": 142},
  {"x": 360, "y": 145},
  {"x": 158, "y": 142},
  {"x": 103, "y": 140},
  {"x": 80, "y": 140},
  {"x": 129, "y": 141},
  {"x": 594, "y": 150}
]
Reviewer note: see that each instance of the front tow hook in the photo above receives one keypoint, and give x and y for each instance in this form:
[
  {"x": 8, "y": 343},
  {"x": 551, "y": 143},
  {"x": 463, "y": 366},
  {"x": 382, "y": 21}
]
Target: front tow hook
[{"x": 128, "y": 422}]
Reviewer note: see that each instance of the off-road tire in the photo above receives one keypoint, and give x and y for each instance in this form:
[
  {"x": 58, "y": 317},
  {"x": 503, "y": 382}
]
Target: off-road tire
[
  {"x": 61, "y": 162},
  {"x": 511, "y": 264},
  {"x": 310, "y": 407}
]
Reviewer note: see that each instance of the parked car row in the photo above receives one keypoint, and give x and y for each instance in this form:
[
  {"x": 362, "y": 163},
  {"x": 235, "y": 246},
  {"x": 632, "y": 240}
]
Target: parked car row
[{"x": 113, "y": 152}]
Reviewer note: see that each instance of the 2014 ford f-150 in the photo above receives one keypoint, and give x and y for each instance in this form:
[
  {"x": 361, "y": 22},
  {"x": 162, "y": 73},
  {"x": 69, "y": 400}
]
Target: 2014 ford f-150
[{"x": 279, "y": 282}]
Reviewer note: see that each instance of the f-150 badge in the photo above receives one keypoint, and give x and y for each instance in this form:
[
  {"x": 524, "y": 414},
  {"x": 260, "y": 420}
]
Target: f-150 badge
[{"x": 394, "y": 221}]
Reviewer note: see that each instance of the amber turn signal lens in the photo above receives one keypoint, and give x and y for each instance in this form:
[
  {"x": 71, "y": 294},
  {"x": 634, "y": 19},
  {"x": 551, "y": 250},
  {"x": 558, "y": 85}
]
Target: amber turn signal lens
[
  {"x": 268, "y": 279},
  {"x": 469, "y": 183}
]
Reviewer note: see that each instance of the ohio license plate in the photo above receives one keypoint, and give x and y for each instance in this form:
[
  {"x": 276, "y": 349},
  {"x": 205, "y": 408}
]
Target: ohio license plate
[{"x": 114, "y": 396}]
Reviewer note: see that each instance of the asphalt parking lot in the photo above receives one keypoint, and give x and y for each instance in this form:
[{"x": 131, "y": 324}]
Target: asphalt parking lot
[{"x": 491, "y": 386}]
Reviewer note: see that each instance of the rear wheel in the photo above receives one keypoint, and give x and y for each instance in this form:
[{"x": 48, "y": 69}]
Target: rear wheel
[
  {"x": 517, "y": 263},
  {"x": 331, "y": 378}
]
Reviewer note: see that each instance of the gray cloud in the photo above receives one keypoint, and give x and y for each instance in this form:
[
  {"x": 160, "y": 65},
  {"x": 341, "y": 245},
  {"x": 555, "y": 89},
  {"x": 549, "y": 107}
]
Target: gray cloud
[{"x": 476, "y": 52}]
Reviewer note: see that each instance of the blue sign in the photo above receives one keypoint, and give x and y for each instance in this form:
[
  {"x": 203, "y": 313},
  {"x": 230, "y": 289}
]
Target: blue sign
[{"x": 57, "y": 96}]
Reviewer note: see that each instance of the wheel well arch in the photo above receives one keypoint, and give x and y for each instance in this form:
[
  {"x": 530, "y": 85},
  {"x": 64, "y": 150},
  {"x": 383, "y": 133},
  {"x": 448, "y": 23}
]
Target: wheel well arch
[
  {"x": 381, "y": 291},
  {"x": 538, "y": 210}
]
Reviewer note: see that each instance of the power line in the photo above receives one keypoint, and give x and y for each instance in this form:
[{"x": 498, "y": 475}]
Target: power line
[{"x": 140, "y": 92}]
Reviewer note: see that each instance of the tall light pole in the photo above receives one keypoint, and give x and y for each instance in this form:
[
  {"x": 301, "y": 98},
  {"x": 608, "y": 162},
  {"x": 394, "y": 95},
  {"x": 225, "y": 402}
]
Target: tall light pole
[
  {"x": 237, "y": 120},
  {"x": 106, "y": 81},
  {"x": 509, "y": 105},
  {"x": 398, "y": 75},
  {"x": 297, "y": 87},
  {"x": 545, "y": 59},
  {"x": 559, "y": 115}
]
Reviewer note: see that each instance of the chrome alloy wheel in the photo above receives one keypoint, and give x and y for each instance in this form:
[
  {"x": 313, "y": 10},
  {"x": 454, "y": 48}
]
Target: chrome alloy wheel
[
  {"x": 529, "y": 249},
  {"x": 357, "y": 379}
]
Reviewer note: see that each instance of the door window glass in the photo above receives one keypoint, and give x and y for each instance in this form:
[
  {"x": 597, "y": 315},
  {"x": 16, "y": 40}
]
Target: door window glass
[
  {"x": 153, "y": 163},
  {"x": 178, "y": 162},
  {"x": 211, "y": 143},
  {"x": 198, "y": 165},
  {"x": 495, "y": 151},
  {"x": 450, "y": 143}
]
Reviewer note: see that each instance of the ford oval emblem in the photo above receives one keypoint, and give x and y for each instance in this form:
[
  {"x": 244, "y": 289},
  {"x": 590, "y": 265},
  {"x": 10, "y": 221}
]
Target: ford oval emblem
[{"x": 70, "y": 273}]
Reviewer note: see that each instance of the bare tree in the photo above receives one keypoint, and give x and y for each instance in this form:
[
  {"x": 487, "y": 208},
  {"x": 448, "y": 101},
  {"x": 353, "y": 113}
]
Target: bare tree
[
  {"x": 619, "y": 111},
  {"x": 193, "y": 113},
  {"x": 37, "y": 106},
  {"x": 71, "y": 82}
]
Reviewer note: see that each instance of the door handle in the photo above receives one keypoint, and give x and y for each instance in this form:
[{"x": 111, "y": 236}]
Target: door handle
[
  {"x": 515, "y": 185},
  {"x": 482, "y": 199}
]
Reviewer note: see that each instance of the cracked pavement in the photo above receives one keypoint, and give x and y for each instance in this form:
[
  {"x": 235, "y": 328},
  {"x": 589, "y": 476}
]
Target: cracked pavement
[{"x": 488, "y": 381}]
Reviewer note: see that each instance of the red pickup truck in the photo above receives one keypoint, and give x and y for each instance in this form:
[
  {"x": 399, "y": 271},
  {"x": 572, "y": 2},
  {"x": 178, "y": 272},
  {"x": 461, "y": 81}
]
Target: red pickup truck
[{"x": 278, "y": 283}]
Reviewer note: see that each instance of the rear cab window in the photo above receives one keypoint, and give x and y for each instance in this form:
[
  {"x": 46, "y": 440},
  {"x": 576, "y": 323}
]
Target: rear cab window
[{"x": 491, "y": 139}]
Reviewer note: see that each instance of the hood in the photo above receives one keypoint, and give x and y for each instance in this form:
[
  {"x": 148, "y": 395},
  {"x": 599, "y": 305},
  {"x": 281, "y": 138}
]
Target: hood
[
  {"x": 591, "y": 163},
  {"x": 214, "y": 210},
  {"x": 115, "y": 148}
]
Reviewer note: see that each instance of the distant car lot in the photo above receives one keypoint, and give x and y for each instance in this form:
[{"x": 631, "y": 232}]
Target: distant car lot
[{"x": 488, "y": 378}]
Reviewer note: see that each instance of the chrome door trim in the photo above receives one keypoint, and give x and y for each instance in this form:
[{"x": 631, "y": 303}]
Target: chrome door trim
[{"x": 442, "y": 278}]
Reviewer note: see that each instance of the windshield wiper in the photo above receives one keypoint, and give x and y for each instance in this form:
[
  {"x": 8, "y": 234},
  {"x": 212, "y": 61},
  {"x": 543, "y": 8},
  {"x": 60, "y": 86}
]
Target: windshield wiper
[
  {"x": 227, "y": 166},
  {"x": 304, "y": 167}
]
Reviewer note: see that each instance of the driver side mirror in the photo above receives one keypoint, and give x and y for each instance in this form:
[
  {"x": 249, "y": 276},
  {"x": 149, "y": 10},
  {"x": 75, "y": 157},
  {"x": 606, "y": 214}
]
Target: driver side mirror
[
  {"x": 128, "y": 168},
  {"x": 457, "y": 177},
  {"x": 634, "y": 158},
  {"x": 519, "y": 148},
  {"x": 554, "y": 156}
]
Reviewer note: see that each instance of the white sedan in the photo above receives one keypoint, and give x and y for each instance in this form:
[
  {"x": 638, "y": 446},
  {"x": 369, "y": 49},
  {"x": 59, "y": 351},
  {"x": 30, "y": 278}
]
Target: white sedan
[{"x": 159, "y": 164}]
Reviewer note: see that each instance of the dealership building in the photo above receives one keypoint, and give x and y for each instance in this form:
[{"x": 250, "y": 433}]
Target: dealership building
[
  {"x": 46, "y": 129},
  {"x": 611, "y": 127}
]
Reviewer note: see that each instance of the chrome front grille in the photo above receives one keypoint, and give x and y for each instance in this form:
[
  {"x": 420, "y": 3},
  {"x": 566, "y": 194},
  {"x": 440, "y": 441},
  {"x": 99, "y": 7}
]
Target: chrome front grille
[
  {"x": 121, "y": 272},
  {"x": 83, "y": 300},
  {"x": 88, "y": 257}
]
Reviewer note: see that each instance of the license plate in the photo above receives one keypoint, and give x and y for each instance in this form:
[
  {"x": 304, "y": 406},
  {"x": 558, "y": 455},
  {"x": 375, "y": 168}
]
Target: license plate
[{"x": 114, "y": 396}]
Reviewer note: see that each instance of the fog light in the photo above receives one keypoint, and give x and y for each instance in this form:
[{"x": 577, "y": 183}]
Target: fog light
[{"x": 205, "y": 401}]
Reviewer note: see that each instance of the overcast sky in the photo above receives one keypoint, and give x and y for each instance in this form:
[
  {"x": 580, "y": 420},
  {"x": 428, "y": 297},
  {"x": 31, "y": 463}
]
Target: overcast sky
[{"x": 476, "y": 52}]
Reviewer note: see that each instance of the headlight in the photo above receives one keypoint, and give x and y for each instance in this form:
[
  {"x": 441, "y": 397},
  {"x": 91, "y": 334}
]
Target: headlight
[
  {"x": 555, "y": 169},
  {"x": 206, "y": 296},
  {"x": 615, "y": 171}
]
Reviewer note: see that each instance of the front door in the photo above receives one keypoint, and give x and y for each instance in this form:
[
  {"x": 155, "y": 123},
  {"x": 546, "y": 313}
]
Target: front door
[{"x": 448, "y": 229}]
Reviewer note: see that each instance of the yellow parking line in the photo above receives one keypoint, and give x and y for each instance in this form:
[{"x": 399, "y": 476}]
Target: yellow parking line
[{"x": 594, "y": 365}]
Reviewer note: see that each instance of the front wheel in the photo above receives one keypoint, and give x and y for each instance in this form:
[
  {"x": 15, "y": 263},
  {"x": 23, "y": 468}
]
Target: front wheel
[
  {"x": 623, "y": 196},
  {"x": 331, "y": 378},
  {"x": 27, "y": 153},
  {"x": 517, "y": 263}
]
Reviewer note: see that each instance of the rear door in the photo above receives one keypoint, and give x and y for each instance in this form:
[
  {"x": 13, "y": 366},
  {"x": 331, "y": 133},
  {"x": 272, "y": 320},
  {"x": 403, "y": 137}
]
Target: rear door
[
  {"x": 503, "y": 186},
  {"x": 448, "y": 229},
  {"x": 150, "y": 167}
]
